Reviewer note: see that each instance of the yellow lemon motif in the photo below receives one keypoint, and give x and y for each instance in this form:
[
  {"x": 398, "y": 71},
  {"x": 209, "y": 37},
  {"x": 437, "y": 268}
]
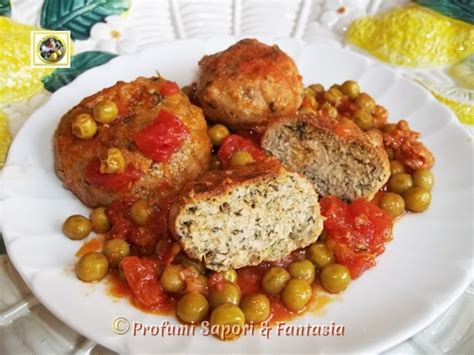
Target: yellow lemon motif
[
  {"x": 463, "y": 72},
  {"x": 413, "y": 36},
  {"x": 5, "y": 138},
  {"x": 18, "y": 80},
  {"x": 463, "y": 110}
]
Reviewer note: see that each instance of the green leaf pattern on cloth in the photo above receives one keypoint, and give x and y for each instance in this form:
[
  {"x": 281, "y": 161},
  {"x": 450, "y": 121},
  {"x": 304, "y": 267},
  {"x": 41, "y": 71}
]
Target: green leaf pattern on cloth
[
  {"x": 79, "y": 64},
  {"x": 78, "y": 16},
  {"x": 459, "y": 9},
  {"x": 5, "y": 8}
]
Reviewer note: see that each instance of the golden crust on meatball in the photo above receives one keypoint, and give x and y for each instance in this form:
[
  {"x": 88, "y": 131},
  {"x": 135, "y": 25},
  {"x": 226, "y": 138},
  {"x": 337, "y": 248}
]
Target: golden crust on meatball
[
  {"x": 142, "y": 139},
  {"x": 248, "y": 85}
]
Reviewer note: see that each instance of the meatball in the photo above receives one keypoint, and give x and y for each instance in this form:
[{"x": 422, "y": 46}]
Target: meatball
[
  {"x": 248, "y": 85},
  {"x": 142, "y": 139},
  {"x": 335, "y": 155},
  {"x": 260, "y": 212}
]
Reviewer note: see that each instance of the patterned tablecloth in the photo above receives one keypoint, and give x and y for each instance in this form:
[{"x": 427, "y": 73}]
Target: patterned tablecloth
[{"x": 431, "y": 41}]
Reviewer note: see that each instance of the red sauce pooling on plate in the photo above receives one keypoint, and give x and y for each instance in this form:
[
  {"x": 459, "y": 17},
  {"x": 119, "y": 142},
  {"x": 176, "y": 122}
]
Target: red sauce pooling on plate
[{"x": 91, "y": 245}]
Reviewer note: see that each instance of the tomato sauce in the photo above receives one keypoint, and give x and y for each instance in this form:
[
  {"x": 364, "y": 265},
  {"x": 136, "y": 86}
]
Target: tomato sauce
[
  {"x": 234, "y": 143},
  {"x": 407, "y": 148},
  {"x": 250, "y": 278},
  {"x": 91, "y": 245},
  {"x": 111, "y": 182},
  {"x": 140, "y": 282},
  {"x": 117, "y": 287},
  {"x": 160, "y": 139},
  {"x": 169, "y": 88},
  {"x": 123, "y": 108},
  {"x": 357, "y": 232},
  {"x": 142, "y": 278},
  {"x": 151, "y": 248}
]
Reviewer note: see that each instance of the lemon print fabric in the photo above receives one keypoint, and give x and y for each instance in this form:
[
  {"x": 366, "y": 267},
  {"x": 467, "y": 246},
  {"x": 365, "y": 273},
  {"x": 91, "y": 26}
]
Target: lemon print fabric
[
  {"x": 18, "y": 80},
  {"x": 5, "y": 138},
  {"x": 413, "y": 36}
]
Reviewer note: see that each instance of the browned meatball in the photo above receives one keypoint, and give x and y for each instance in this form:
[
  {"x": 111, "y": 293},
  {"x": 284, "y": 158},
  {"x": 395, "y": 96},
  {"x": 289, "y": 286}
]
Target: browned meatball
[
  {"x": 248, "y": 85},
  {"x": 141, "y": 139}
]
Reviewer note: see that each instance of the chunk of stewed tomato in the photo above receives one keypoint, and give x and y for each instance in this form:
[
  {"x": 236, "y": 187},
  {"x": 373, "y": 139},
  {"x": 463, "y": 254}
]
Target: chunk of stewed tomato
[
  {"x": 110, "y": 182},
  {"x": 163, "y": 137},
  {"x": 357, "y": 232},
  {"x": 142, "y": 278},
  {"x": 169, "y": 88}
]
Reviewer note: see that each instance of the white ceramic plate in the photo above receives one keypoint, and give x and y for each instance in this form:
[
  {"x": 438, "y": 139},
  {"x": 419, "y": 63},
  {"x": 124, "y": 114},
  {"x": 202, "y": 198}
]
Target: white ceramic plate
[{"x": 422, "y": 272}]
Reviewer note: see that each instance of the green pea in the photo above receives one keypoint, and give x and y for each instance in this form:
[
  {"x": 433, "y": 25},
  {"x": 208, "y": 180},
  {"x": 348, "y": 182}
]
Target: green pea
[
  {"x": 192, "y": 307},
  {"x": 275, "y": 279},
  {"x": 423, "y": 178},
  {"x": 217, "y": 134},
  {"x": 140, "y": 211},
  {"x": 363, "y": 119},
  {"x": 396, "y": 167},
  {"x": 302, "y": 269},
  {"x": 171, "y": 279},
  {"x": 92, "y": 266},
  {"x": 365, "y": 102},
  {"x": 399, "y": 183},
  {"x": 417, "y": 199},
  {"x": 100, "y": 221},
  {"x": 105, "y": 111},
  {"x": 77, "y": 227},
  {"x": 335, "y": 278},
  {"x": 256, "y": 308},
  {"x": 230, "y": 275},
  {"x": 227, "y": 318},
  {"x": 351, "y": 89},
  {"x": 115, "y": 250},
  {"x": 228, "y": 292},
  {"x": 296, "y": 295},
  {"x": 320, "y": 255},
  {"x": 392, "y": 203}
]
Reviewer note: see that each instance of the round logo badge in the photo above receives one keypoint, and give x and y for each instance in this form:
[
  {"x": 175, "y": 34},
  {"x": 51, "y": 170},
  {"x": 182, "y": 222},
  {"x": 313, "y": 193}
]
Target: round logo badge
[{"x": 51, "y": 49}]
